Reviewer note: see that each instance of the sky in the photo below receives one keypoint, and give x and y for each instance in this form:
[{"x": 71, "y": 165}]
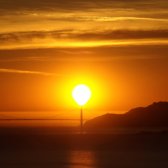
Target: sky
[{"x": 119, "y": 48}]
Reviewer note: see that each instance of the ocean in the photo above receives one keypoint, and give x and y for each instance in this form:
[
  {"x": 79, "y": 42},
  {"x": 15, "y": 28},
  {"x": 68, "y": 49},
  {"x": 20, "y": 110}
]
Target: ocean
[
  {"x": 42, "y": 148},
  {"x": 83, "y": 159}
]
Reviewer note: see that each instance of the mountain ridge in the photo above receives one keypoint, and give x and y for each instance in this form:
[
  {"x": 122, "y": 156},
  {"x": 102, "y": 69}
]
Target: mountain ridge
[{"x": 154, "y": 115}]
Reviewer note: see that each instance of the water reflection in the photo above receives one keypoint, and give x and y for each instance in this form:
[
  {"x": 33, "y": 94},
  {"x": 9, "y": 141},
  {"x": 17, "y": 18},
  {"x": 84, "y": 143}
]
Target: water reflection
[{"x": 82, "y": 159}]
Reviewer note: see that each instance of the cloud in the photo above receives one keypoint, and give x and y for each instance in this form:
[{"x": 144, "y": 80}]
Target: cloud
[
  {"x": 63, "y": 36},
  {"x": 16, "y": 71},
  {"x": 124, "y": 34},
  {"x": 24, "y": 36},
  {"x": 80, "y": 4},
  {"x": 65, "y": 19},
  {"x": 53, "y": 57},
  {"x": 114, "y": 19}
]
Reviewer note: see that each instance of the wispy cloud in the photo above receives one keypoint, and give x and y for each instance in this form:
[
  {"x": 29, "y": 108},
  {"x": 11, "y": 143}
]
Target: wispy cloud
[
  {"x": 123, "y": 34},
  {"x": 17, "y": 71},
  {"x": 92, "y": 34},
  {"x": 55, "y": 23},
  {"x": 79, "y": 4},
  {"x": 72, "y": 38},
  {"x": 112, "y": 19}
]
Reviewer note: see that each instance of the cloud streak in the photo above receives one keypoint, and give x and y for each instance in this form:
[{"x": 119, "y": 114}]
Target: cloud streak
[
  {"x": 72, "y": 38},
  {"x": 72, "y": 34},
  {"x": 27, "y": 72},
  {"x": 55, "y": 23},
  {"x": 80, "y": 4}
]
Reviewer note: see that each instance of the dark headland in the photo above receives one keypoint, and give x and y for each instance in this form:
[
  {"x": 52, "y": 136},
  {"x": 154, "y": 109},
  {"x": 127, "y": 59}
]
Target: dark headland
[{"x": 154, "y": 116}]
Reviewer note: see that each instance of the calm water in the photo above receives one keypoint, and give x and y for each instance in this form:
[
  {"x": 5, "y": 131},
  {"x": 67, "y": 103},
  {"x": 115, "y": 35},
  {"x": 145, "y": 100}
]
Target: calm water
[
  {"x": 26, "y": 149},
  {"x": 83, "y": 159}
]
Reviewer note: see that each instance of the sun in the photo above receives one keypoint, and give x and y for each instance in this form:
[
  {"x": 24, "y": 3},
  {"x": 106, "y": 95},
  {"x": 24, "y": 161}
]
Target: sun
[{"x": 81, "y": 94}]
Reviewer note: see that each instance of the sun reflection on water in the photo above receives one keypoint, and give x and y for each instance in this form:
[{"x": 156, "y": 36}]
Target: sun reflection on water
[{"x": 82, "y": 159}]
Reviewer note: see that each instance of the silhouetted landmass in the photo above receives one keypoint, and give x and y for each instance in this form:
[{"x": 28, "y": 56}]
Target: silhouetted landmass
[{"x": 153, "y": 116}]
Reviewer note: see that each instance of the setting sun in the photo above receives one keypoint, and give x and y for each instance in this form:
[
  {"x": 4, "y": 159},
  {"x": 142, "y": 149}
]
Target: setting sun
[{"x": 81, "y": 94}]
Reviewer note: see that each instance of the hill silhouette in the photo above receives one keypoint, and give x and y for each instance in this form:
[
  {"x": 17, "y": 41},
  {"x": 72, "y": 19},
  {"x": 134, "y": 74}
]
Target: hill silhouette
[{"x": 154, "y": 115}]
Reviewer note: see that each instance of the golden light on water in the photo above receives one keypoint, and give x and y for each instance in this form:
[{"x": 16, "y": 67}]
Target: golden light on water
[{"x": 81, "y": 94}]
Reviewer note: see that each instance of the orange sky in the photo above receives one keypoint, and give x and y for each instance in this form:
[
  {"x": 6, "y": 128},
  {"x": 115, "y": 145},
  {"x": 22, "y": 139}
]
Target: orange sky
[{"x": 118, "y": 48}]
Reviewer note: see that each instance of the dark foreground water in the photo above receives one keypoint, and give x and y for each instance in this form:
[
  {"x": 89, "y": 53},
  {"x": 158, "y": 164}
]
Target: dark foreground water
[
  {"x": 36, "y": 149},
  {"x": 83, "y": 159}
]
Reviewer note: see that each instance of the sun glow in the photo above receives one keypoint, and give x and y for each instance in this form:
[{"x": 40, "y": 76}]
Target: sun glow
[{"x": 81, "y": 94}]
